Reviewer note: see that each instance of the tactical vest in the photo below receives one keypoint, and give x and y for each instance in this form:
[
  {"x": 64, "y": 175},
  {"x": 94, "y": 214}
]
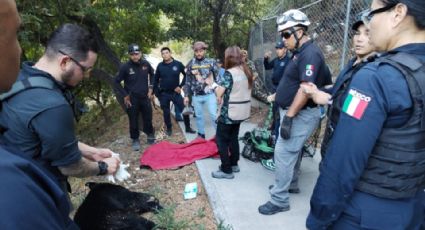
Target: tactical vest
[
  {"x": 335, "y": 110},
  {"x": 240, "y": 96},
  {"x": 396, "y": 166},
  {"x": 42, "y": 82}
]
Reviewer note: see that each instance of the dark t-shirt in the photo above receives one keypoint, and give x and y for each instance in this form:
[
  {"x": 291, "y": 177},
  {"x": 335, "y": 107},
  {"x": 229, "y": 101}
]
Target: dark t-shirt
[
  {"x": 278, "y": 65},
  {"x": 307, "y": 65},
  {"x": 40, "y": 122},
  {"x": 167, "y": 76},
  {"x": 30, "y": 197},
  {"x": 137, "y": 77}
]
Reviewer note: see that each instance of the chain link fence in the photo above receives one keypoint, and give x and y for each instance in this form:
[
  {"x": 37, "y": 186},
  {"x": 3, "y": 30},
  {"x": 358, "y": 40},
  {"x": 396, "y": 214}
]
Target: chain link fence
[{"x": 330, "y": 28}]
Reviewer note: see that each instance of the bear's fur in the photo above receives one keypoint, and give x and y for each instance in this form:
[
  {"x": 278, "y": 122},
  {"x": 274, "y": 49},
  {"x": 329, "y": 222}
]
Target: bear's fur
[{"x": 109, "y": 206}]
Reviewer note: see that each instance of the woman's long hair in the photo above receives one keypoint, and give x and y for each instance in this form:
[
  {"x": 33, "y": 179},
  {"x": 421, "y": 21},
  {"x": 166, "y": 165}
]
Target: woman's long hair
[{"x": 232, "y": 58}]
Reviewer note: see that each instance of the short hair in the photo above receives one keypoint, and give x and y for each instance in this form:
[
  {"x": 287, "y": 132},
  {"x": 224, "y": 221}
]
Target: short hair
[
  {"x": 73, "y": 40},
  {"x": 415, "y": 8},
  {"x": 165, "y": 48}
]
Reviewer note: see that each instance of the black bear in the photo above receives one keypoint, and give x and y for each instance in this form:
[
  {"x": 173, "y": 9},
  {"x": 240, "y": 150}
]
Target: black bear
[{"x": 110, "y": 207}]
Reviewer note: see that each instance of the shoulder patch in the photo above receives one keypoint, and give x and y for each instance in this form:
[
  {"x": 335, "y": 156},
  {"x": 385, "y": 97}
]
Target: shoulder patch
[
  {"x": 309, "y": 70},
  {"x": 356, "y": 103}
]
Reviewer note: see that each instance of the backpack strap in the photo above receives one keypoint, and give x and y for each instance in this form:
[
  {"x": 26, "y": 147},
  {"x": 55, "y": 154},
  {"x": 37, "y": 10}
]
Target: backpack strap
[{"x": 28, "y": 83}]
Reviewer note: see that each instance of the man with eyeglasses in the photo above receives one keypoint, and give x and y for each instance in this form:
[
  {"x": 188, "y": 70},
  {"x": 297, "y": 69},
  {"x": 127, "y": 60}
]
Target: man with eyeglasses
[
  {"x": 25, "y": 186},
  {"x": 38, "y": 117},
  {"x": 299, "y": 115},
  {"x": 373, "y": 174},
  {"x": 138, "y": 77}
]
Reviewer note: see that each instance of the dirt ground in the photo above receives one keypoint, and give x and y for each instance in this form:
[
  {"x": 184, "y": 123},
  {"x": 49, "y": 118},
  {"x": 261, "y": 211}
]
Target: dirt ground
[{"x": 167, "y": 185}]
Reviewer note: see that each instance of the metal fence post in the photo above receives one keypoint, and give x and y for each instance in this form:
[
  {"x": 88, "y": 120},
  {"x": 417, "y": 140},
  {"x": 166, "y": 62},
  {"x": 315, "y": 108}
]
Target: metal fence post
[
  {"x": 262, "y": 48},
  {"x": 347, "y": 21}
]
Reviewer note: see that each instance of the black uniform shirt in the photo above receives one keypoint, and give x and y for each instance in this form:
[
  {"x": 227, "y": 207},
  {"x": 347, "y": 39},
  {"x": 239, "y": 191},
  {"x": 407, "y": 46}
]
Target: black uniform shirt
[
  {"x": 137, "y": 77},
  {"x": 167, "y": 76},
  {"x": 307, "y": 65}
]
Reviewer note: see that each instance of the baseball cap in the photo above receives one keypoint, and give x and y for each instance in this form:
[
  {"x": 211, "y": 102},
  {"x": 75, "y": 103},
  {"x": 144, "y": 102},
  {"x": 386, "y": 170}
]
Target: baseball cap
[
  {"x": 280, "y": 45},
  {"x": 133, "y": 49}
]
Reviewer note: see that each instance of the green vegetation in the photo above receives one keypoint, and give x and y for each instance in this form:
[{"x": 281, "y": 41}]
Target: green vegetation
[{"x": 116, "y": 23}]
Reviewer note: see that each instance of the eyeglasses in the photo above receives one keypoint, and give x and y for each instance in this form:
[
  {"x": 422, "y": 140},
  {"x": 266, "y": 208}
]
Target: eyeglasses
[
  {"x": 86, "y": 70},
  {"x": 288, "y": 34},
  {"x": 368, "y": 15}
]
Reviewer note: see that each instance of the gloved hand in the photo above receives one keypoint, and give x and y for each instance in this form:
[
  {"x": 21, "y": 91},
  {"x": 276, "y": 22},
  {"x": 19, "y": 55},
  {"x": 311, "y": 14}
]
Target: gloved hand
[
  {"x": 271, "y": 98},
  {"x": 285, "y": 127}
]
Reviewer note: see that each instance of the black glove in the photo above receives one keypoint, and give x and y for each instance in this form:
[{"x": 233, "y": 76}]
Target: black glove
[{"x": 285, "y": 127}]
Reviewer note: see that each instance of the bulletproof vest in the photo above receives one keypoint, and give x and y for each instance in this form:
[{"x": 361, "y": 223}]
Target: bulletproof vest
[
  {"x": 396, "y": 166},
  {"x": 335, "y": 110},
  {"x": 43, "y": 82},
  {"x": 240, "y": 96}
]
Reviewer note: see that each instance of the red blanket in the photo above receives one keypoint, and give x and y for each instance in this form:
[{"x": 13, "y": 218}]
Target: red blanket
[{"x": 166, "y": 155}]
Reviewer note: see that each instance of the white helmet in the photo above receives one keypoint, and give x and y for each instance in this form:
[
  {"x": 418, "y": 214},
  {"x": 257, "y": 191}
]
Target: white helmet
[{"x": 290, "y": 19}]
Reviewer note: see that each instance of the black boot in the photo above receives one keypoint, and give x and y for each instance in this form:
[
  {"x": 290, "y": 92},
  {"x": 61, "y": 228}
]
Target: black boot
[{"x": 186, "y": 120}]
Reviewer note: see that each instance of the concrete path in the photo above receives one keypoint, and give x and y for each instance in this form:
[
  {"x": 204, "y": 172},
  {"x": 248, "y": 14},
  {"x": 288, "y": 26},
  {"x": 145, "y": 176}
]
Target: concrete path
[{"x": 235, "y": 202}]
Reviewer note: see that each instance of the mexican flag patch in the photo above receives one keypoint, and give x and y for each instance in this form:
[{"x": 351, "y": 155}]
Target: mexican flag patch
[
  {"x": 309, "y": 70},
  {"x": 355, "y": 104}
]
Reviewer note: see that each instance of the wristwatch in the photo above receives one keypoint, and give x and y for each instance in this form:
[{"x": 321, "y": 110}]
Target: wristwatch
[{"x": 103, "y": 168}]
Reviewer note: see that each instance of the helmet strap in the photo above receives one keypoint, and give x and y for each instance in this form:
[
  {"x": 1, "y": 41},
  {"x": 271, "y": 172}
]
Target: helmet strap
[{"x": 297, "y": 39}]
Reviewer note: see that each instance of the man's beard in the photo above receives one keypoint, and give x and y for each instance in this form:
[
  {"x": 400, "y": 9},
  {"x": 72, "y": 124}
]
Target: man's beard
[{"x": 66, "y": 78}]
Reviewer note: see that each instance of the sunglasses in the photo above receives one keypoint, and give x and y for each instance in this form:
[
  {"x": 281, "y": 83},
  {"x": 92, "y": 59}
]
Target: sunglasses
[
  {"x": 86, "y": 70},
  {"x": 288, "y": 34},
  {"x": 368, "y": 15}
]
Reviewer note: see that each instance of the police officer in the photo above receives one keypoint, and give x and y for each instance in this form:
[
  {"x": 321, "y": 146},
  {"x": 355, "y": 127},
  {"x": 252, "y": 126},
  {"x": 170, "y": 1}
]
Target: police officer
[
  {"x": 25, "y": 187},
  {"x": 37, "y": 112},
  {"x": 363, "y": 50},
  {"x": 373, "y": 174},
  {"x": 137, "y": 75},
  {"x": 299, "y": 115},
  {"x": 278, "y": 64},
  {"x": 167, "y": 88},
  {"x": 201, "y": 75}
]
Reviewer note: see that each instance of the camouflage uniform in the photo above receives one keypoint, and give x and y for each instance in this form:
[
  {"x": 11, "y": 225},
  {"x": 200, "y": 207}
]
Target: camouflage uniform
[
  {"x": 259, "y": 90},
  {"x": 207, "y": 67}
]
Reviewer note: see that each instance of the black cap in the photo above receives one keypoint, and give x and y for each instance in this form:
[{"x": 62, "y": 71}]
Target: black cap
[
  {"x": 133, "y": 48},
  {"x": 358, "y": 20},
  {"x": 280, "y": 45}
]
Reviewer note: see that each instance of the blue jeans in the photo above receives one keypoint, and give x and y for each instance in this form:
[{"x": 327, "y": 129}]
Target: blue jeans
[
  {"x": 211, "y": 102},
  {"x": 287, "y": 153}
]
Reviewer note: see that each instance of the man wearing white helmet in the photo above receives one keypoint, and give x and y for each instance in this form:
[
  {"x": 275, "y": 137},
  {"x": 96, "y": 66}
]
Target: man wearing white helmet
[{"x": 299, "y": 115}]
